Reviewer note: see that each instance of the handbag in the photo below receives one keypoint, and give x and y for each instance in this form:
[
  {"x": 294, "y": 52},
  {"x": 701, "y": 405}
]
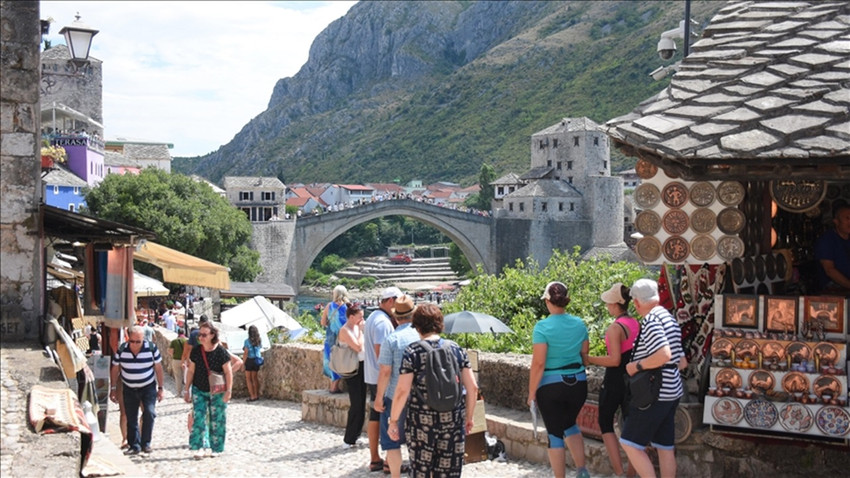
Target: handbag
[
  {"x": 258, "y": 359},
  {"x": 217, "y": 382},
  {"x": 644, "y": 386},
  {"x": 343, "y": 360}
]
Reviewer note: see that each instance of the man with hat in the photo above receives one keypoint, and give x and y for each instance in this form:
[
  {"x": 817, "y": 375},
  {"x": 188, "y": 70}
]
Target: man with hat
[
  {"x": 389, "y": 361},
  {"x": 379, "y": 326}
]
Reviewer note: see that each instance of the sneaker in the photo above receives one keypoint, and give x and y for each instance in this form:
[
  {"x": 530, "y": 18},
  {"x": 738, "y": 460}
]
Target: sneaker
[
  {"x": 582, "y": 473},
  {"x": 131, "y": 451},
  {"x": 215, "y": 454},
  {"x": 199, "y": 454},
  {"x": 346, "y": 446},
  {"x": 147, "y": 449}
]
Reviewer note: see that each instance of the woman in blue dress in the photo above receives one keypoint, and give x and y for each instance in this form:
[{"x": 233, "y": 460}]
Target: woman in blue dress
[{"x": 333, "y": 318}]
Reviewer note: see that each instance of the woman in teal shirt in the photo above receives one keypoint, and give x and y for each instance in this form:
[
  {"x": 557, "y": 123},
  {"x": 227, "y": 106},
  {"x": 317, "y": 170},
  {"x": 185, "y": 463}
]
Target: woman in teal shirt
[{"x": 558, "y": 382}]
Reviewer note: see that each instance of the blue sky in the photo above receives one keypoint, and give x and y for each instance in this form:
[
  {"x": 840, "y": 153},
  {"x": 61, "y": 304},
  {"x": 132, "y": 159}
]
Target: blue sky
[{"x": 192, "y": 73}]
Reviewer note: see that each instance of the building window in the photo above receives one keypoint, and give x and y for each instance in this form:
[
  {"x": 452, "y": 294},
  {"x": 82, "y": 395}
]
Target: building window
[
  {"x": 543, "y": 206},
  {"x": 268, "y": 195},
  {"x": 542, "y": 144},
  {"x": 575, "y": 141},
  {"x": 500, "y": 190},
  {"x": 55, "y": 189},
  {"x": 549, "y": 163},
  {"x": 572, "y": 206},
  {"x": 604, "y": 164},
  {"x": 71, "y": 207},
  {"x": 511, "y": 189},
  {"x": 558, "y": 166},
  {"x": 570, "y": 179},
  {"x": 555, "y": 142},
  {"x": 246, "y": 195},
  {"x": 76, "y": 190},
  {"x": 561, "y": 207},
  {"x": 510, "y": 206},
  {"x": 596, "y": 141},
  {"x": 569, "y": 165},
  {"x": 521, "y": 207}
]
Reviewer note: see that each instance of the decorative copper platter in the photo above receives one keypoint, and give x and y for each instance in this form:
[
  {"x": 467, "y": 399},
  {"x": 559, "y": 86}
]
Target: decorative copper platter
[
  {"x": 798, "y": 195},
  {"x": 702, "y": 194},
  {"x": 795, "y": 382},
  {"x": 798, "y": 352},
  {"x": 675, "y": 194},
  {"x": 762, "y": 380},
  {"x": 827, "y": 353},
  {"x": 648, "y": 222},
  {"x": 727, "y": 411},
  {"x": 827, "y": 385},
  {"x": 749, "y": 269},
  {"x": 773, "y": 350},
  {"x": 703, "y": 220},
  {"x": 731, "y": 220},
  {"x": 676, "y": 249},
  {"x": 675, "y": 221},
  {"x": 761, "y": 268},
  {"x": 746, "y": 348},
  {"x": 730, "y": 247},
  {"x": 728, "y": 377},
  {"x": 645, "y": 170},
  {"x": 730, "y": 193},
  {"x": 647, "y": 196},
  {"x": 648, "y": 249},
  {"x": 703, "y": 247},
  {"x": 721, "y": 348}
]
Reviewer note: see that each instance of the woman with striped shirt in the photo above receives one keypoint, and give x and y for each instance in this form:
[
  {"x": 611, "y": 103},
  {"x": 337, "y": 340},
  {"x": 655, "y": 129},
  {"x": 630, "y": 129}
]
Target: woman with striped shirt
[{"x": 659, "y": 346}]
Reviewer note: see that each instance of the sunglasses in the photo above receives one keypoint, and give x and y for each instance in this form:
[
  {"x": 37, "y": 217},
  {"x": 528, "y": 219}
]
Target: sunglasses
[
  {"x": 203, "y": 335},
  {"x": 135, "y": 341}
]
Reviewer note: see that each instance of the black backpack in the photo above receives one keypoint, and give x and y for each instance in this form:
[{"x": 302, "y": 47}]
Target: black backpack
[{"x": 442, "y": 377}]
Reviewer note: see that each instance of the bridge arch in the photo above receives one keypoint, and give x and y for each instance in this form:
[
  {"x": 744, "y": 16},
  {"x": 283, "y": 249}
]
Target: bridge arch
[{"x": 471, "y": 232}]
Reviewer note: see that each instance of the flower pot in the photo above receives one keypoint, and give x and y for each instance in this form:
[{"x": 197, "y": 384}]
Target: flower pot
[{"x": 46, "y": 162}]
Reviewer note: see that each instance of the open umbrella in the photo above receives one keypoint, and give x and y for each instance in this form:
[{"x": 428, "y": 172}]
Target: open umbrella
[{"x": 473, "y": 322}]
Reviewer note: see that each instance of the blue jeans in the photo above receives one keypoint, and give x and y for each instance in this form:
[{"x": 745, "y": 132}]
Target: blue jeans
[{"x": 146, "y": 397}]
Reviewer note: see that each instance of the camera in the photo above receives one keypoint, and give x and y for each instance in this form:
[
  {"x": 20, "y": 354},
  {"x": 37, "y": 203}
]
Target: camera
[
  {"x": 659, "y": 73},
  {"x": 666, "y": 48}
]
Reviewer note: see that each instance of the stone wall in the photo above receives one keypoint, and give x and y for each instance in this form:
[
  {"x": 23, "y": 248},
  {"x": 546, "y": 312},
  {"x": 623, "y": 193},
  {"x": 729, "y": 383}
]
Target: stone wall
[{"x": 21, "y": 286}]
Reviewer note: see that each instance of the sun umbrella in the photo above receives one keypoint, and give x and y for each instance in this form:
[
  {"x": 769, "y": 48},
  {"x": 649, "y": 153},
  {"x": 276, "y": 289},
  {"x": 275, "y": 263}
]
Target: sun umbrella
[{"x": 473, "y": 322}]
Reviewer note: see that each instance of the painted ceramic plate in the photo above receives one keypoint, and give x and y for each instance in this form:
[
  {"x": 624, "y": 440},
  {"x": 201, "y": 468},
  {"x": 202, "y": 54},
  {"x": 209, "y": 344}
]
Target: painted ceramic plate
[
  {"x": 721, "y": 348},
  {"x": 827, "y": 385},
  {"x": 773, "y": 350},
  {"x": 647, "y": 196},
  {"x": 761, "y": 380},
  {"x": 676, "y": 249},
  {"x": 827, "y": 352},
  {"x": 645, "y": 170},
  {"x": 648, "y": 249},
  {"x": 796, "y": 417},
  {"x": 760, "y": 413},
  {"x": 728, "y": 377},
  {"x": 730, "y": 247},
  {"x": 727, "y": 411},
  {"x": 731, "y": 220},
  {"x": 648, "y": 222},
  {"x": 746, "y": 348},
  {"x": 795, "y": 382},
  {"x": 675, "y": 194},
  {"x": 833, "y": 421},
  {"x": 702, "y": 194},
  {"x": 798, "y": 351},
  {"x": 703, "y": 247},
  {"x": 730, "y": 193},
  {"x": 675, "y": 221},
  {"x": 703, "y": 220}
]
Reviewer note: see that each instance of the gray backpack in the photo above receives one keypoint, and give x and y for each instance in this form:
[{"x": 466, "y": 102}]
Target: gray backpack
[{"x": 442, "y": 377}]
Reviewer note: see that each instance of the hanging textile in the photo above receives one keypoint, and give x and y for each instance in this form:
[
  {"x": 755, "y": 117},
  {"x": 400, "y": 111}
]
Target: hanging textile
[{"x": 118, "y": 307}]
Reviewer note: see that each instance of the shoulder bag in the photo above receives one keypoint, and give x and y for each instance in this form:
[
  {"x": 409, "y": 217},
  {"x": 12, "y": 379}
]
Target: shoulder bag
[
  {"x": 343, "y": 360},
  {"x": 217, "y": 382},
  {"x": 644, "y": 386}
]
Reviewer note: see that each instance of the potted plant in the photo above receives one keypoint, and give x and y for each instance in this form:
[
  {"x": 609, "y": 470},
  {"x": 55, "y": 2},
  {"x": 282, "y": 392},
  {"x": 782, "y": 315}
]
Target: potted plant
[{"x": 51, "y": 155}]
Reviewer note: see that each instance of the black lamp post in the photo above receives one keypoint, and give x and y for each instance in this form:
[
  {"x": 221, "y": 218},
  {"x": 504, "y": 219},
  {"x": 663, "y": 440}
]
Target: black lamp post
[{"x": 78, "y": 37}]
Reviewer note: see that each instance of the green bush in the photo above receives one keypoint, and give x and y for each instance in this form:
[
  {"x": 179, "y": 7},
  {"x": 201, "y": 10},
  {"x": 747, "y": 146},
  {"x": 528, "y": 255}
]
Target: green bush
[
  {"x": 366, "y": 283},
  {"x": 332, "y": 263}
]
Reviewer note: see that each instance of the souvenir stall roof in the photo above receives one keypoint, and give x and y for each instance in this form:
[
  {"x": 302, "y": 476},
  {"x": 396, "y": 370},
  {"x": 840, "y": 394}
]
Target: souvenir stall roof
[
  {"x": 181, "y": 268},
  {"x": 76, "y": 227},
  {"x": 144, "y": 286},
  {"x": 251, "y": 289},
  {"x": 764, "y": 94}
]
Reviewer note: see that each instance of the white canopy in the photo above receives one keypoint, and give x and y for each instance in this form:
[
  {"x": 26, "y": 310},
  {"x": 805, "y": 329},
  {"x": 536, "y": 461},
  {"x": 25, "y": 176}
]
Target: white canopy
[
  {"x": 235, "y": 338},
  {"x": 144, "y": 286},
  {"x": 260, "y": 312}
]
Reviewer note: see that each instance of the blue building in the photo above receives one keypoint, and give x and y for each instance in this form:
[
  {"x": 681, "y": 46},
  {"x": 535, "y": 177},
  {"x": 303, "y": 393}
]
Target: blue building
[{"x": 63, "y": 189}]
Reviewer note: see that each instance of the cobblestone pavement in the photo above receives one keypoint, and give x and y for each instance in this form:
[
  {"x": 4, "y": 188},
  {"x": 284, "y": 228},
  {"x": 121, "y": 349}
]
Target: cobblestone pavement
[{"x": 268, "y": 438}]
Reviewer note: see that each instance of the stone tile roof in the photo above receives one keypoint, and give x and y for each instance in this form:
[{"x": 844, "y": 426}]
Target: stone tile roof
[
  {"x": 146, "y": 151},
  {"x": 250, "y": 182},
  {"x": 570, "y": 125},
  {"x": 61, "y": 176},
  {"x": 765, "y": 91},
  {"x": 508, "y": 179},
  {"x": 537, "y": 173},
  {"x": 546, "y": 188}
]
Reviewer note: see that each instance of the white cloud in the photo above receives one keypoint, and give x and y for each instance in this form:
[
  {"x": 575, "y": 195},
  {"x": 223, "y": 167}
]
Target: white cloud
[{"x": 193, "y": 73}]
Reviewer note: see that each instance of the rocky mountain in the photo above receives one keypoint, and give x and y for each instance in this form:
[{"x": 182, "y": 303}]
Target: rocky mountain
[{"x": 431, "y": 90}]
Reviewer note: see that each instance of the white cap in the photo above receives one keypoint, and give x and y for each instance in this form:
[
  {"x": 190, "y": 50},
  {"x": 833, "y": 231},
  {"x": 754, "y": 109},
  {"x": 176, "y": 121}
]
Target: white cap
[
  {"x": 614, "y": 295},
  {"x": 391, "y": 293},
  {"x": 645, "y": 290}
]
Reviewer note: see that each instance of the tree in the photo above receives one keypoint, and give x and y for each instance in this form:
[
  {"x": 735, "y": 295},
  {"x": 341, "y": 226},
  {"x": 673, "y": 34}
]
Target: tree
[
  {"x": 486, "y": 175},
  {"x": 457, "y": 261},
  {"x": 184, "y": 214}
]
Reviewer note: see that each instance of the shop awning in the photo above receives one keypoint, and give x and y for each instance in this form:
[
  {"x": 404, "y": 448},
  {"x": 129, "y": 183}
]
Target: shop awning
[
  {"x": 144, "y": 286},
  {"x": 182, "y": 268}
]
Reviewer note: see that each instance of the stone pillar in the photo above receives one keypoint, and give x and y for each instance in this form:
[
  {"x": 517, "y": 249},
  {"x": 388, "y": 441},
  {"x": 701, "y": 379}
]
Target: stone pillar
[{"x": 21, "y": 262}]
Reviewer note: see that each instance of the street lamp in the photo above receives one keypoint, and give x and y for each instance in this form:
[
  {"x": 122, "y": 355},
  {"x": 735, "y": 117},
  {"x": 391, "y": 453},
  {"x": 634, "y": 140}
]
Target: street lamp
[{"x": 78, "y": 37}]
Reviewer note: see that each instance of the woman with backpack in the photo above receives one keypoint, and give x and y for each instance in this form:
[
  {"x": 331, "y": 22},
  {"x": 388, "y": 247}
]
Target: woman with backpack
[
  {"x": 333, "y": 318},
  {"x": 252, "y": 351},
  {"x": 439, "y": 416},
  {"x": 557, "y": 382}
]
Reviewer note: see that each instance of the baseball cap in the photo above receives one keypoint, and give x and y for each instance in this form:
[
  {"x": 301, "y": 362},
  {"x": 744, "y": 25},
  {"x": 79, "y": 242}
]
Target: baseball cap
[
  {"x": 645, "y": 290},
  {"x": 614, "y": 294},
  {"x": 403, "y": 306},
  {"x": 546, "y": 295},
  {"x": 391, "y": 293}
]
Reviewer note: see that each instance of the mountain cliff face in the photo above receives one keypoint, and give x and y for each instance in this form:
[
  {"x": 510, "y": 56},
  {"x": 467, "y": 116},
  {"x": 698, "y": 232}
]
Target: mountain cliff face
[{"x": 431, "y": 90}]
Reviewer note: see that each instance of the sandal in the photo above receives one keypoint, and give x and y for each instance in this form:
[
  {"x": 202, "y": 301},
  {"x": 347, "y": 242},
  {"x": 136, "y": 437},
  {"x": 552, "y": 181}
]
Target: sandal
[
  {"x": 405, "y": 469},
  {"x": 376, "y": 465}
]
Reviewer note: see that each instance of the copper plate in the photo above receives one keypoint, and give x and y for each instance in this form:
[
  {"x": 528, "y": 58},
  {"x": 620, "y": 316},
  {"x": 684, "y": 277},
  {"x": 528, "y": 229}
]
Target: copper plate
[
  {"x": 675, "y": 221},
  {"x": 773, "y": 350},
  {"x": 762, "y": 380},
  {"x": 761, "y": 267},
  {"x": 645, "y": 170},
  {"x": 675, "y": 194},
  {"x": 827, "y": 353},
  {"x": 648, "y": 249},
  {"x": 676, "y": 249},
  {"x": 730, "y": 247},
  {"x": 647, "y": 196},
  {"x": 747, "y": 348},
  {"x": 738, "y": 271},
  {"x": 703, "y": 247},
  {"x": 798, "y": 352},
  {"x": 731, "y": 220},
  {"x": 648, "y": 222},
  {"x": 827, "y": 385},
  {"x": 749, "y": 269},
  {"x": 703, "y": 220},
  {"x": 730, "y": 193},
  {"x": 795, "y": 382},
  {"x": 728, "y": 377},
  {"x": 798, "y": 195},
  {"x": 721, "y": 348},
  {"x": 702, "y": 194}
]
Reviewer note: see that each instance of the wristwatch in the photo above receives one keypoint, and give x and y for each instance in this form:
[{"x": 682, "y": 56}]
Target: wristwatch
[
  {"x": 639, "y": 366},
  {"x": 159, "y": 388}
]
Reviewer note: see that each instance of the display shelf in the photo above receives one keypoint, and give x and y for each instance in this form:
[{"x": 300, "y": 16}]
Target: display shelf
[{"x": 782, "y": 417}]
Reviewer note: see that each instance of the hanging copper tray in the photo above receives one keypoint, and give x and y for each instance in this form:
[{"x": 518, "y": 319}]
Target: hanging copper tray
[
  {"x": 645, "y": 170},
  {"x": 703, "y": 247},
  {"x": 730, "y": 247},
  {"x": 827, "y": 385},
  {"x": 827, "y": 353},
  {"x": 675, "y": 194},
  {"x": 762, "y": 380},
  {"x": 731, "y": 220},
  {"x": 746, "y": 348},
  {"x": 676, "y": 249},
  {"x": 647, "y": 196},
  {"x": 703, "y": 220},
  {"x": 738, "y": 271},
  {"x": 761, "y": 267},
  {"x": 702, "y": 194},
  {"x": 798, "y": 352},
  {"x": 795, "y": 382},
  {"x": 675, "y": 221},
  {"x": 749, "y": 270},
  {"x": 770, "y": 263},
  {"x": 728, "y": 377},
  {"x": 797, "y": 195},
  {"x": 648, "y": 223},
  {"x": 730, "y": 193},
  {"x": 721, "y": 348},
  {"x": 648, "y": 249},
  {"x": 773, "y": 350}
]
